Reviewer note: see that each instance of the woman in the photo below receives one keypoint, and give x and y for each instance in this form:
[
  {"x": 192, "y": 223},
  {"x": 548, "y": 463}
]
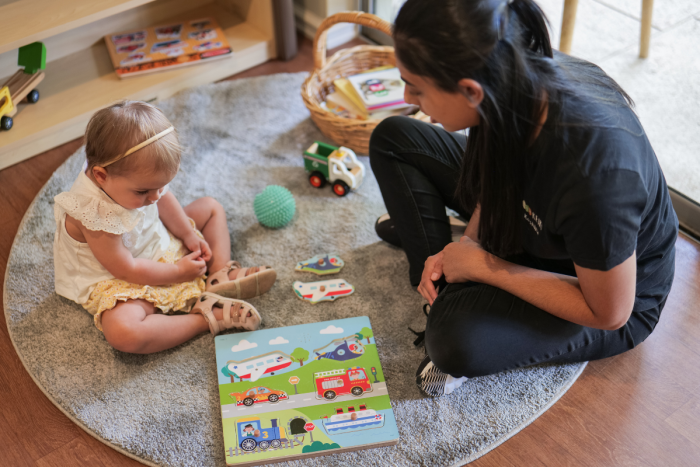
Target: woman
[{"x": 569, "y": 251}]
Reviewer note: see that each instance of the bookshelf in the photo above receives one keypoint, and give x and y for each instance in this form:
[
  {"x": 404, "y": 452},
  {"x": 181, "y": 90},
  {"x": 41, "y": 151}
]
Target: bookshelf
[{"x": 79, "y": 75}]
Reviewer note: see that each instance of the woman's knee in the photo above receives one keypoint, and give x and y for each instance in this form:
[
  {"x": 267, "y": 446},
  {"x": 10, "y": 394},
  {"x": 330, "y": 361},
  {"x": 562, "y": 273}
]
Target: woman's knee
[
  {"x": 388, "y": 135},
  {"x": 457, "y": 344}
]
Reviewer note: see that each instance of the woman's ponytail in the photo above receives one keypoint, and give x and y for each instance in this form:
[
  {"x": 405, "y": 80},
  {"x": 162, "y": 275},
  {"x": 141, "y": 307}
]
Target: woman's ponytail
[{"x": 533, "y": 26}]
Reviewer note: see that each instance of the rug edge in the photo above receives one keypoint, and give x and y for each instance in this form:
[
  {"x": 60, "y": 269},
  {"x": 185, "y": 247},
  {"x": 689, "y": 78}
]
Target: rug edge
[
  {"x": 19, "y": 355},
  {"x": 563, "y": 390}
]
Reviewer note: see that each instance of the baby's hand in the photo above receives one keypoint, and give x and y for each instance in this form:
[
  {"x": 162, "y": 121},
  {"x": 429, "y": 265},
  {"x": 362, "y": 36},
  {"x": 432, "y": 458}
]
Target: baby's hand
[
  {"x": 191, "y": 266},
  {"x": 195, "y": 243}
]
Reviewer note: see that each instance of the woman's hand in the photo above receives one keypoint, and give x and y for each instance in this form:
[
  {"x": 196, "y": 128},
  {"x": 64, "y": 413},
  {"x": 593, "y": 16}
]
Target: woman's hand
[
  {"x": 194, "y": 243},
  {"x": 432, "y": 271},
  {"x": 191, "y": 267},
  {"x": 458, "y": 262},
  {"x": 463, "y": 260}
]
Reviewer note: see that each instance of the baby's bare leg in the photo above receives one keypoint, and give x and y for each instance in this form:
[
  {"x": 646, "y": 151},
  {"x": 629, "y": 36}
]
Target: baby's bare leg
[
  {"x": 134, "y": 326},
  {"x": 210, "y": 218}
]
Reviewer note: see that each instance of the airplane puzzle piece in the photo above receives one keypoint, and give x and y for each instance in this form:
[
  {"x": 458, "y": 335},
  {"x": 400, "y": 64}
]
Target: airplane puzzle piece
[
  {"x": 320, "y": 291},
  {"x": 255, "y": 367},
  {"x": 321, "y": 264}
]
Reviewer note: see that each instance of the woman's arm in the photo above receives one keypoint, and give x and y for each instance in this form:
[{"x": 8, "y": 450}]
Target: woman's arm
[
  {"x": 113, "y": 255},
  {"x": 176, "y": 221},
  {"x": 472, "y": 230},
  {"x": 597, "y": 299}
]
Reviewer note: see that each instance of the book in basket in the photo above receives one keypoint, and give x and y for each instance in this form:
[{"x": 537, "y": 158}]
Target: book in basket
[
  {"x": 381, "y": 89},
  {"x": 302, "y": 391},
  {"x": 158, "y": 48}
]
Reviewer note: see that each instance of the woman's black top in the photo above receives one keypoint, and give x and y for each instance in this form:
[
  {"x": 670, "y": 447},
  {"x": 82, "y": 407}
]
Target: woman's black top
[{"x": 595, "y": 193}]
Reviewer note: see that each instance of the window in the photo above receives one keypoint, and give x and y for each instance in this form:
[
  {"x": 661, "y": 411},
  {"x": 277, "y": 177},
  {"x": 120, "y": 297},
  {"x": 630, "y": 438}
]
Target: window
[
  {"x": 334, "y": 383},
  {"x": 357, "y": 374}
]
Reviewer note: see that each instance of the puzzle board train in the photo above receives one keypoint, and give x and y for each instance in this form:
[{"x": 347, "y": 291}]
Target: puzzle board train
[{"x": 302, "y": 391}]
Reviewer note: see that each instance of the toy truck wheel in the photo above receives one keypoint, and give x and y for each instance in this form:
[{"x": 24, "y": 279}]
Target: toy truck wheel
[
  {"x": 33, "y": 97},
  {"x": 329, "y": 395},
  {"x": 6, "y": 123},
  {"x": 248, "y": 401},
  {"x": 273, "y": 398},
  {"x": 275, "y": 443},
  {"x": 356, "y": 391},
  {"x": 248, "y": 445},
  {"x": 340, "y": 188},
  {"x": 264, "y": 445},
  {"x": 317, "y": 180}
]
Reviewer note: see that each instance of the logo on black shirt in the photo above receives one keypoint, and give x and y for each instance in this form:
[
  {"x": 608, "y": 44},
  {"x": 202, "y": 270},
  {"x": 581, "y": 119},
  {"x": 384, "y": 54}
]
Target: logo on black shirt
[{"x": 532, "y": 218}]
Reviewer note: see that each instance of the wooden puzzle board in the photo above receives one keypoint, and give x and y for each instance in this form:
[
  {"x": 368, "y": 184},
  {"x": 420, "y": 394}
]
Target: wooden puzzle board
[{"x": 302, "y": 391}]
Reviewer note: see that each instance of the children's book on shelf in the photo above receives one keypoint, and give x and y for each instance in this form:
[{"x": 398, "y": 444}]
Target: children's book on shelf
[
  {"x": 180, "y": 43},
  {"x": 302, "y": 391},
  {"x": 379, "y": 90}
]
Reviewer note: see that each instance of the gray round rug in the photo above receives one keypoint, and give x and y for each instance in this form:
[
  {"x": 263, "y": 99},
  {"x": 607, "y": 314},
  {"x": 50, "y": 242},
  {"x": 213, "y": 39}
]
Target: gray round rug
[{"x": 163, "y": 409}]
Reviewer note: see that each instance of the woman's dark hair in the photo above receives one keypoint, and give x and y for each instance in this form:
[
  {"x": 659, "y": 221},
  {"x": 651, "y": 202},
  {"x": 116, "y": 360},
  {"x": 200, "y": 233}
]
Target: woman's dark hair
[{"x": 505, "y": 47}]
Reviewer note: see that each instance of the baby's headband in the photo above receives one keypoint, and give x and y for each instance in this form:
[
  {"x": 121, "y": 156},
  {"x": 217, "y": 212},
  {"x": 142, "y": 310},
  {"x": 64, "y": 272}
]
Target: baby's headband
[{"x": 141, "y": 145}]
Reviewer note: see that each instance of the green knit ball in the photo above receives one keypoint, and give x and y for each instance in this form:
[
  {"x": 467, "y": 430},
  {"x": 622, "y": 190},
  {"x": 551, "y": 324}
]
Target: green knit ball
[{"x": 275, "y": 206}]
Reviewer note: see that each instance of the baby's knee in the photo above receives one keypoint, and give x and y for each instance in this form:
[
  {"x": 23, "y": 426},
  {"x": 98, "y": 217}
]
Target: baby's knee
[
  {"x": 212, "y": 205},
  {"x": 123, "y": 337}
]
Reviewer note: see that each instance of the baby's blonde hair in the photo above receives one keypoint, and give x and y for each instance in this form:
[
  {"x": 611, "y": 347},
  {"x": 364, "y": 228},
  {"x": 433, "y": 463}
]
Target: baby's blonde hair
[{"x": 114, "y": 130}]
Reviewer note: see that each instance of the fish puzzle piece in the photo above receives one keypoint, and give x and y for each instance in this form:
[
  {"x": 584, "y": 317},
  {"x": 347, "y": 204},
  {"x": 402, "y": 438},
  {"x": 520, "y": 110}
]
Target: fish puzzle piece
[
  {"x": 321, "y": 264},
  {"x": 320, "y": 291}
]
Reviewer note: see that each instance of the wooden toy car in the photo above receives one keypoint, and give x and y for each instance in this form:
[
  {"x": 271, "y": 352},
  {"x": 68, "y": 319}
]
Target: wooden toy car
[
  {"x": 258, "y": 394},
  {"x": 21, "y": 85},
  {"x": 337, "y": 166}
]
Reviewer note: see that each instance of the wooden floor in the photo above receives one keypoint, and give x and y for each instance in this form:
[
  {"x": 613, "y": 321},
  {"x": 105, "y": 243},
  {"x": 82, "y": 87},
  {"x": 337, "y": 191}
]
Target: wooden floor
[{"x": 641, "y": 408}]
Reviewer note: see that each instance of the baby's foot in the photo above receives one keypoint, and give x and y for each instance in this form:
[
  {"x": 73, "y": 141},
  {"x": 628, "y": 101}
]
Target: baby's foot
[
  {"x": 218, "y": 311},
  {"x": 226, "y": 313},
  {"x": 234, "y": 281}
]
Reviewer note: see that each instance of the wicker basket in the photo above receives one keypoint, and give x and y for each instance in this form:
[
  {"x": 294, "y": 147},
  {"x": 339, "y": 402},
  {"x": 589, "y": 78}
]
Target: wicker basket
[{"x": 349, "y": 132}]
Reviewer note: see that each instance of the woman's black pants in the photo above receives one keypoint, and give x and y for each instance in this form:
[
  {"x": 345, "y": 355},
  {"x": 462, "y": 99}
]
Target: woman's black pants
[{"x": 475, "y": 329}]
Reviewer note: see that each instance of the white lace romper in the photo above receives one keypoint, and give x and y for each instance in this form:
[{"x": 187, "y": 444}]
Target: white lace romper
[{"x": 80, "y": 277}]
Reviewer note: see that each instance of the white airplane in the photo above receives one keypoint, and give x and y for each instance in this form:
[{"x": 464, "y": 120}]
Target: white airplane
[
  {"x": 315, "y": 292},
  {"x": 255, "y": 367}
]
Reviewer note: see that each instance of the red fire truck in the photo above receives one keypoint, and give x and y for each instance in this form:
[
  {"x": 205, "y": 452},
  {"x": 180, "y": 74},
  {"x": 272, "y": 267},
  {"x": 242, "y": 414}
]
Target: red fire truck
[{"x": 334, "y": 383}]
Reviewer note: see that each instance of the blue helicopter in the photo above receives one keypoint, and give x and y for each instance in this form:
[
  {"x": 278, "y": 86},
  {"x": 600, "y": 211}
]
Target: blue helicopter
[{"x": 346, "y": 348}]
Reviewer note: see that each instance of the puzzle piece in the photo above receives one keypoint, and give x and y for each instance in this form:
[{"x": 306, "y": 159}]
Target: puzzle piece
[
  {"x": 320, "y": 291},
  {"x": 321, "y": 264}
]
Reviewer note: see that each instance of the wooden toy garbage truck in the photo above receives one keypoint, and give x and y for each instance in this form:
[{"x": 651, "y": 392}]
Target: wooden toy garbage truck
[
  {"x": 337, "y": 166},
  {"x": 21, "y": 85}
]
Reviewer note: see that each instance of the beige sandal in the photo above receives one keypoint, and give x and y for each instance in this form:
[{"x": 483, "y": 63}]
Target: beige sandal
[
  {"x": 237, "y": 313},
  {"x": 246, "y": 283}
]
